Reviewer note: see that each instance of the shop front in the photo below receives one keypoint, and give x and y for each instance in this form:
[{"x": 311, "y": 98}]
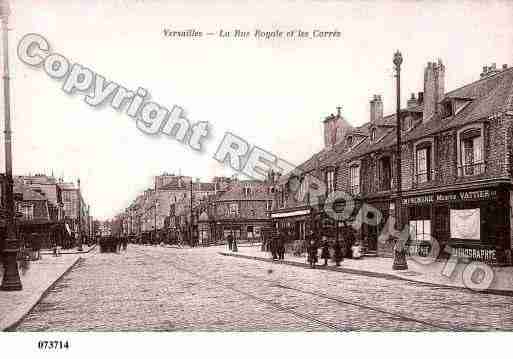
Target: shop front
[
  {"x": 472, "y": 223},
  {"x": 295, "y": 224}
]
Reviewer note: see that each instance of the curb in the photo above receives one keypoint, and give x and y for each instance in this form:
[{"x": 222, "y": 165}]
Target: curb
[
  {"x": 501, "y": 292},
  {"x": 76, "y": 252},
  {"x": 12, "y": 327}
]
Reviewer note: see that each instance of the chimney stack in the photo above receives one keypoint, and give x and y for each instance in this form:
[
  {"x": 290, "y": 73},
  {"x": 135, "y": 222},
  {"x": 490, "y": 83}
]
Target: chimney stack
[
  {"x": 420, "y": 98},
  {"x": 335, "y": 128},
  {"x": 376, "y": 109},
  {"x": 412, "y": 101},
  {"x": 434, "y": 88}
]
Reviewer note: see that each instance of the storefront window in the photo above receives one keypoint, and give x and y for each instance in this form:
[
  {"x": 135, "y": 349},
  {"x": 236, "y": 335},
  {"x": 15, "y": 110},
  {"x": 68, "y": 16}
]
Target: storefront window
[
  {"x": 420, "y": 230},
  {"x": 466, "y": 223}
]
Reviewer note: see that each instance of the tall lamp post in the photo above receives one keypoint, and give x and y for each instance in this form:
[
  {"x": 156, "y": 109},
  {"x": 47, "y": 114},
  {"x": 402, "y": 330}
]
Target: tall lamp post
[
  {"x": 156, "y": 208},
  {"x": 399, "y": 248},
  {"x": 80, "y": 239},
  {"x": 11, "y": 279}
]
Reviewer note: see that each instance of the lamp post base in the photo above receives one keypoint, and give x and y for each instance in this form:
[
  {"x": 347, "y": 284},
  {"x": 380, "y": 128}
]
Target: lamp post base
[
  {"x": 11, "y": 279},
  {"x": 400, "y": 261}
]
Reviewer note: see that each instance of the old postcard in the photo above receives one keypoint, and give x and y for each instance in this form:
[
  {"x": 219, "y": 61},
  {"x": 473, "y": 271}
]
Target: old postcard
[{"x": 248, "y": 166}]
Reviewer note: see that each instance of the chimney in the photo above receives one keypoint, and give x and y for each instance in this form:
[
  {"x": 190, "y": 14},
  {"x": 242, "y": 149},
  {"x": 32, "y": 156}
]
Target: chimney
[
  {"x": 420, "y": 98},
  {"x": 412, "y": 101},
  {"x": 504, "y": 66},
  {"x": 376, "y": 109},
  {"x": 434, "y": 89},
  {"x": 335, "y": 128}
]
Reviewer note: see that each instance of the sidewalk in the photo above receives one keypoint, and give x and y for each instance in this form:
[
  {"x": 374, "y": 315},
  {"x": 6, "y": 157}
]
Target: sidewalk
[
  {"x": 85, "y": 249},
  {"x": 430, "y": 274},
  {"x": 36, "y": 281}
]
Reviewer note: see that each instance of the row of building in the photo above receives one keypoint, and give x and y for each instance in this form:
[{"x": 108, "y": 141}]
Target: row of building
[
  {"x": 180, "y": 208},
  {"x": 48, "y": 208},
  {"x": 456, "y": 169},
  {"x": 456, "y": 156}
]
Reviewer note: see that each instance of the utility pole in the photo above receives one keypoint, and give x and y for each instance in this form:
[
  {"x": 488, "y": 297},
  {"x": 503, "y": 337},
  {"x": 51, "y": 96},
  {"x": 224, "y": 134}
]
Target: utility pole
[
  {"x": 399, "y": 248},
  {"x": 11, "y": 279}
]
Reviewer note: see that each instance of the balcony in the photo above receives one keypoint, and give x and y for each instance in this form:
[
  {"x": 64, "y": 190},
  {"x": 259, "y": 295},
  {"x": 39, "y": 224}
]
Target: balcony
[
  {"x": 355, "y": 190},
  {"x": 472, "y": 169}
]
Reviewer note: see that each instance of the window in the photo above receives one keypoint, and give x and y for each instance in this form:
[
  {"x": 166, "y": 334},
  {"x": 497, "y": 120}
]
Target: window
[
  {"x": 66, "y": 196},
  {"x": 302, "y": 190},
  {"x": 471, "y": 152},
  {"x": 268, "y": 206},
  {"x": 233, "y": 210},
  {"x": 350, "y": 141},
  {"x": 423, "y": 163},
  {"x": 27, "y": 211},
  {"x": 247, "y": 191},
  {"x": 385, "y": 174},
  {"x": 420, "y": 230},
  {"x": 330, "y": 181},
  {"x": 354, "y": 179}
]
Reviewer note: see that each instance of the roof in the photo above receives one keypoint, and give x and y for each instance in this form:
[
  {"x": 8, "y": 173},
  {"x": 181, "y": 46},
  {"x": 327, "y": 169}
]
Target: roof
[
  {"x": 236, "y": 193},
  {"x": 28, "y": 194},
  {"x": 176, "y": 184},
  {"x": 67, "y": 186},
  {"x": 485, "y": 96}
]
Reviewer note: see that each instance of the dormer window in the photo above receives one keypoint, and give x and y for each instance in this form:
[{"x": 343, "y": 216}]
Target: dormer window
[
  {"x": 447, "y": 109},
  {"x": 373, "y": 135},
  {"x": 330, "y": 180},
  {"x": 407, "y": 123},
  {"x": 350, "y": 141}
]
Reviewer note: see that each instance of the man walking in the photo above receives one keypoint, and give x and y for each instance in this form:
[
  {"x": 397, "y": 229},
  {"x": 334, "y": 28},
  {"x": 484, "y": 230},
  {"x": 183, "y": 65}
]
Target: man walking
[{"x": 230, "y": 241}]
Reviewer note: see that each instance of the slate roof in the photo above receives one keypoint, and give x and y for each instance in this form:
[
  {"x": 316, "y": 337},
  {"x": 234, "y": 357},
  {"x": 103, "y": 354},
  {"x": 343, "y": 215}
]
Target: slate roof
[
  {"x": 486, "y": 96},
  {"x": 28, "y": 194},
  {"x": 236, "y": 192}
]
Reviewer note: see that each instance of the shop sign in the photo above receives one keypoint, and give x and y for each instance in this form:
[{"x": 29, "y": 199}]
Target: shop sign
[
  {"x": 482, "y": 194},
  {"x": 418, "y": 200},
  {"x": 480, "y": 254}
]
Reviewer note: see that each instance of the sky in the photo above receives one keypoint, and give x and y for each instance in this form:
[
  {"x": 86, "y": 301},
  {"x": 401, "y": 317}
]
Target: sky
[{"x": 272, "y": 93}]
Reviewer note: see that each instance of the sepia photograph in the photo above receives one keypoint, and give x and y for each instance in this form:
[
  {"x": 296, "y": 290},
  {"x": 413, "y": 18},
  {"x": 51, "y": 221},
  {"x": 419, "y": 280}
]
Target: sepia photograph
[{"x": 256, "y": 176}]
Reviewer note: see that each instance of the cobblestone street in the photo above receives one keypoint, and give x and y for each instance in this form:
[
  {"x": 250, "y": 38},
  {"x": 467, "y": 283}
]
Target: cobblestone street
[{"x": 167, "y": 289}]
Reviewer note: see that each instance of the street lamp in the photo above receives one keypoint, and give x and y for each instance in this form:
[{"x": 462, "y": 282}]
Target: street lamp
[
  {"x": 399, "y": 250},
  {"x": 11, "y": 279},
  {"x": 156, "y": 207}
]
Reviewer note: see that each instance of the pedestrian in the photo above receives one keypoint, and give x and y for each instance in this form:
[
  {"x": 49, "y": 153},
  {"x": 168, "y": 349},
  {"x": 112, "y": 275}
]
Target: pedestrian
[
  {"x": 356, "y": 250},
  {"x": 125, "y": 243},
  {"x": 274, "y": 245},
  {"x": 234, "y": 245},
  {"x": 281, "y": 247},
  {"x": 312, "y": 253},
  {"x": 325, "y": 254},
  {"x": 338, "y": 254},
  {"x": 230, "y": 241}
]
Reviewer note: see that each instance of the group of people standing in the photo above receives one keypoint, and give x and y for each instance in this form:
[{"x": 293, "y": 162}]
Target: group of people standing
[
  {"x": 340, "y": 250},
  {"x": 232, "y": 243}
]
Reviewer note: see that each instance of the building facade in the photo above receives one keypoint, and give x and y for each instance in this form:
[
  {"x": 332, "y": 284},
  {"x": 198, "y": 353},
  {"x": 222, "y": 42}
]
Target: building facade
[{"x": 456, "y": 172}]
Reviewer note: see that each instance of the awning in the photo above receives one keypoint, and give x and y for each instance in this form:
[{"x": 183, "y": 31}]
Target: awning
[{"x": 301, "y": 212}]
